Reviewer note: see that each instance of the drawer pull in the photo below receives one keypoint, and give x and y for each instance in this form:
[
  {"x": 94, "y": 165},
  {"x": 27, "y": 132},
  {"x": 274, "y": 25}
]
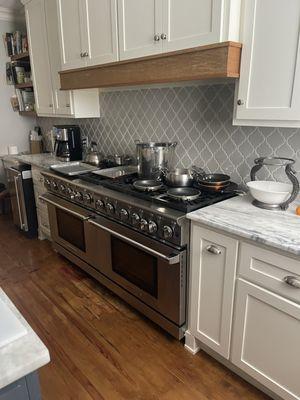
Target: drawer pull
[
  {"x": 292, "y": 281},
  {"x": 214, "y": 250}
]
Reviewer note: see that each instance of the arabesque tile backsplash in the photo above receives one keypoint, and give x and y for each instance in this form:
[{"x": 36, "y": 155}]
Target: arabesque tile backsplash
[{"x": 198, "y": 118}]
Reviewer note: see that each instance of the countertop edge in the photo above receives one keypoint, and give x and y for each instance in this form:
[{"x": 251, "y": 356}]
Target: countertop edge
[{"x": 258, "y": 238}]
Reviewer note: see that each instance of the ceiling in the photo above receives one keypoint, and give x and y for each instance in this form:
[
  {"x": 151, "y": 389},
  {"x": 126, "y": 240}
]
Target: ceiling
[{"x": 11, "y": 4}]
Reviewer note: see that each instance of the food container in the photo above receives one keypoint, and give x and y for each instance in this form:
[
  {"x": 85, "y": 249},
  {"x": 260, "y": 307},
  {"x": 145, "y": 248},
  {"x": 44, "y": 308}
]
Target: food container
[{"x": 153, "y": 158}]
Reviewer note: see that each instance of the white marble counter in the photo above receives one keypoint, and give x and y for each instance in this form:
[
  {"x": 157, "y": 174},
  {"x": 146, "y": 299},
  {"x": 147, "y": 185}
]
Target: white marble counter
[
  {"x": 42, "y": 160},
  {"x": 279, "y": 229},
  {"x": 22, "y": 356}
]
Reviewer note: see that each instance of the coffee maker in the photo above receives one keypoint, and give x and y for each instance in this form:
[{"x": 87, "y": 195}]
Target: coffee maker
[{"x": 68, "y": 145}]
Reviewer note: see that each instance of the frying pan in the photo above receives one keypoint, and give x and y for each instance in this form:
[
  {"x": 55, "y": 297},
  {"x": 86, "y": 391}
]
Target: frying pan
[{"x": 210, "y": 180}]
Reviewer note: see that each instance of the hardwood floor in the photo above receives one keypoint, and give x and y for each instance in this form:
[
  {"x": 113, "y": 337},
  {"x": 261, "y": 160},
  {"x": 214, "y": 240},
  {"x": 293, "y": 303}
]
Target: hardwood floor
[{"x": 100, "y": 347}]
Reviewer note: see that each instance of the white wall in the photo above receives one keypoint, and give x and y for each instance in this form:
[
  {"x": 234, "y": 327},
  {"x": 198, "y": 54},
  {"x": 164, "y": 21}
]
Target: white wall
[{"x": 14, "y": 129}]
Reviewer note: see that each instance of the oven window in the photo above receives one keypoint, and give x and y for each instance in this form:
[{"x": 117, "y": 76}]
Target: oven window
[
  {"x": 70, "y": 228},
  {"x": 136, "y": 266}
]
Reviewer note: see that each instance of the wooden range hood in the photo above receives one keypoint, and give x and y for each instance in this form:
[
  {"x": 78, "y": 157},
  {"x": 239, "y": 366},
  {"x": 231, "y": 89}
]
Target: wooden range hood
[{"x": 221, "y": 60}]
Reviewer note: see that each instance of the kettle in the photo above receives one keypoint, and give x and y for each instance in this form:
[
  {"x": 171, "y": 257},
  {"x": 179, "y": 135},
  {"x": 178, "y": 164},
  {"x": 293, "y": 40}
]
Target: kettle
[{"x": 92, "y": 156}]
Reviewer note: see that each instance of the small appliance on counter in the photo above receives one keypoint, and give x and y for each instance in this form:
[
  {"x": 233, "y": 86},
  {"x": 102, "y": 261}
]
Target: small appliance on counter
[
  {"x": 20, "y": 186},
  {"x": 68, "y": 145},
  {"x": 35, "y": 141}
]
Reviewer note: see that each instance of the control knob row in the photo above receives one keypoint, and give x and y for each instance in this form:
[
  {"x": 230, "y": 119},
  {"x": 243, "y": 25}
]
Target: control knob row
[{"x": 148, "y": 226}]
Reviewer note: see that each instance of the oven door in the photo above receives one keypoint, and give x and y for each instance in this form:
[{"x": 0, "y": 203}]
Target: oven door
[
  {"x": 68, "y": 225},
  {"x": 151, "y": 271}
]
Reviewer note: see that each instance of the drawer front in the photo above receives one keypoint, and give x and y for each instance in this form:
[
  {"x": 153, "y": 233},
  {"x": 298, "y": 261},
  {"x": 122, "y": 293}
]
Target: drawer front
[
  {"x": 269, "y": 269},
  {"x": 265, "y": 343}
]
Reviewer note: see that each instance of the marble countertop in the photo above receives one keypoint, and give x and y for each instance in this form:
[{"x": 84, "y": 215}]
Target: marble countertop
[
  {"x": 279, "y": 229},
  {"x": 42, "y": 160},
  {"x": 22, "y": 356}
]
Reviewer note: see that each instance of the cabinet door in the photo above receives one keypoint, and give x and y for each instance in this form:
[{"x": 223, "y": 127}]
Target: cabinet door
[
  {"x": 213, "y": 266},
  {"x": 101, "y": 38},
  {"x": 191, "y": 23},
  {"x": 140, "y": 27},
  {"x": 40, "y": 65},
  {"x": 266, "y": 339},
  {"x": 269, "y": 87},
  {"x": 62, "y": 101},
  {"x": 71, "y": 31}
]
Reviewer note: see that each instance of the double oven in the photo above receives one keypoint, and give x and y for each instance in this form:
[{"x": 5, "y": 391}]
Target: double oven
[{"x": 148, "y": 274}]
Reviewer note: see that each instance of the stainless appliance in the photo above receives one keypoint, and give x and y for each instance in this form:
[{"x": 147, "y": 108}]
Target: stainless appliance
[
  {"x": 93, "y": 156},
  {"x": 68, "y": 145},
  {"x": 153, "y": 158},
  {"x": 179, "y": 177},
  {"x": 21, "y": 192},
  {"x": 135, "y": 243}
]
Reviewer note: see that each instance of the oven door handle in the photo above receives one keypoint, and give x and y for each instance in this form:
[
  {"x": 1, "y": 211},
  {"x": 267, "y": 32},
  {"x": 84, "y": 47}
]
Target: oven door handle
[
  {"x": 172, "y": 259},
  {"x": 76, "y": 214}
]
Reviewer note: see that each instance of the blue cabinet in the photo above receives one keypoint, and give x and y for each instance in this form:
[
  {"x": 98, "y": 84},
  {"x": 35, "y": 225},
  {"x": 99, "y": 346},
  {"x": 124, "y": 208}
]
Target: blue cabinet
[{"x": 26, "y": 388}]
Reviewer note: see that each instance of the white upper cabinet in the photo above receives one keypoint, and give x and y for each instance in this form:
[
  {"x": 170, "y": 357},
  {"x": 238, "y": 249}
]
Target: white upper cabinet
[
  {"x": 101, "y": 38},
  {"x": 88, "y": 32},
  {"x": 192, "y": 23},
  {"x": 42, "y": 26},
  {"x": 61, "y": 98},
  {"x": 268, "y": 91},
  {"x": 70, "y": 23},
  {"x": 154, "y": 26},
  {"x": 40, "y": 63},
  {"x": 140, "y": 28}
]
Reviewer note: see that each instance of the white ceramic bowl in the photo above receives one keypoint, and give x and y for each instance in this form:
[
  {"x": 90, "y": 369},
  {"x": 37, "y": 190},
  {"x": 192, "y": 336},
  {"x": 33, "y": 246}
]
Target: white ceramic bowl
[{"x": 270, "y": 192}]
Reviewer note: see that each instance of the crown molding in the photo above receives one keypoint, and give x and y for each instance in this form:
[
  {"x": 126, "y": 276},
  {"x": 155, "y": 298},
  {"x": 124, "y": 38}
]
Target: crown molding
[{"x": 8, "y": 14}]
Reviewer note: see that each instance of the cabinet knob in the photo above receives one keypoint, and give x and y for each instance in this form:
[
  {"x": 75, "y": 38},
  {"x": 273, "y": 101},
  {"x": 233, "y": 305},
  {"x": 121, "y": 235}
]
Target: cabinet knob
[
  {"x": 50, "y": 105},
  {"x": 240, "y": 102},
  {"x": 156, "y": 38},
  {"x": 163, "y": 36},
  {"x": 292, "y": 281},
  {"x": 213, "y": 249}
]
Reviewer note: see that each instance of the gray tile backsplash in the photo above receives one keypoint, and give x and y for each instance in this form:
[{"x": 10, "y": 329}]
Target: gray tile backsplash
[{"x": 198, "y": 118}]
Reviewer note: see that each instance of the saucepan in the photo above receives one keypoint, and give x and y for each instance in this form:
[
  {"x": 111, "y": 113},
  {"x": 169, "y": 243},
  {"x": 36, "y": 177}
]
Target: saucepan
[{"x": 179, "y": 177}]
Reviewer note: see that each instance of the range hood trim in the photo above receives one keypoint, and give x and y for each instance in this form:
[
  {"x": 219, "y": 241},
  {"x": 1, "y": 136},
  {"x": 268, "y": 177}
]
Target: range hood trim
[{"x": 220, "y": 60}]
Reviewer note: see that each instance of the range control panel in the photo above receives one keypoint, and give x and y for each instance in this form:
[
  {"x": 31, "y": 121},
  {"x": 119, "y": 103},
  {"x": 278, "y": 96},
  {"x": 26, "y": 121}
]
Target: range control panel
[{"x": 151, "y": 224}]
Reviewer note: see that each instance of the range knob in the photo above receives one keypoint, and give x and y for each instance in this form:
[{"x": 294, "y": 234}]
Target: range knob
[
  {"x": 87, "y": 198},
  {"x": 71, "y": 193},
  {"x": 79, "y": 196},
  {"x": 167, "y": 232},
  {"x": 152, "y": 227},
  {"x": 99, "y": 205},
  {"x": 62, "y": 188},
  {"x": 47, "y": 182},
  {"x": 124, "y": 214},
  {"x": 135, "y": 218},
  {"x": 54, "y": 185},
  {"x": 144, "y": 225},
  {"x": 110, "y": 208}
]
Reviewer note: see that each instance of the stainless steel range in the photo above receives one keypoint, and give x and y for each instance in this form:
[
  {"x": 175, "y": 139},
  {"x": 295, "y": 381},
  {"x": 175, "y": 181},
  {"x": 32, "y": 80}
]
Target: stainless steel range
[{"x": 135, "y": 246}]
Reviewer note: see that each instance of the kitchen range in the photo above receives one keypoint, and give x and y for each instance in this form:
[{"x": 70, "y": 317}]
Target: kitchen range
[{"x": 134, "y": 242}]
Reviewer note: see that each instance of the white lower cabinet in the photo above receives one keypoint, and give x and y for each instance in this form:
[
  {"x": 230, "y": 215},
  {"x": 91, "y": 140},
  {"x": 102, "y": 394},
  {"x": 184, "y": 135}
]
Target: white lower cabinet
[
  {"x": 266, "y": 338},
  {"x": 213, "y": 269},
  {"x": 244, "y": 304}
]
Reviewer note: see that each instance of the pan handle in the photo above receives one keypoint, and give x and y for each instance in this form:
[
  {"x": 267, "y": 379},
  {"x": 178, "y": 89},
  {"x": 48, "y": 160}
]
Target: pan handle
[{"x": 197, "y": 172}]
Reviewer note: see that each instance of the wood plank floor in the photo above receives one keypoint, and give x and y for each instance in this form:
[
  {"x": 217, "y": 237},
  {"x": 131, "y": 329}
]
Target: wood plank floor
[{"x": 100, "y": 347}]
